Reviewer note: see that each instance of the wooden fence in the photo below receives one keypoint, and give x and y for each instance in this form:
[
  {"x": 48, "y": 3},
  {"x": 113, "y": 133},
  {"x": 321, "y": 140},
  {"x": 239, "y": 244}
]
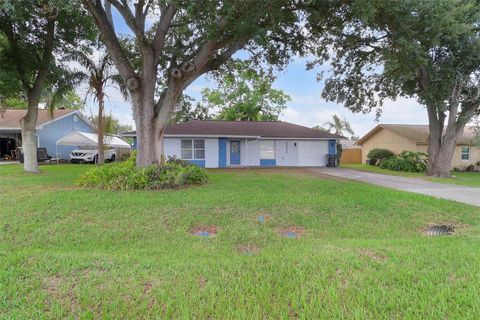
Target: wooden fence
[{"x": 351, "y": 156}]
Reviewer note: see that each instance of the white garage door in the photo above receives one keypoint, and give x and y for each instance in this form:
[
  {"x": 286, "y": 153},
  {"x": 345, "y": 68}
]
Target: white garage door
[{"x": 312, "y": 153}]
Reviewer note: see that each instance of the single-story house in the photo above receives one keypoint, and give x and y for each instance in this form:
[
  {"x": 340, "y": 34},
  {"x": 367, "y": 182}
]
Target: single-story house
[
  {"x": 401, "y": 137},
  {"x": 220, "y": 144},
  {"x": 49, "y": 130}
]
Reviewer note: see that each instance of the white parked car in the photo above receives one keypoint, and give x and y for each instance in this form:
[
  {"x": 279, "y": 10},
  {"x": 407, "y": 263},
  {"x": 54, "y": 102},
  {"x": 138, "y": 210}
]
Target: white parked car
[{"x": 90, "y": 155}]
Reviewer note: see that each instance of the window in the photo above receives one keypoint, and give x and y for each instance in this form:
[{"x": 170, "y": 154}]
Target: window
[
  {"x": 193, "y": 149},
  {"x": 466, "y": 153},
  {"x": 199, "y": 149},
  {"x": 267, "y": 149},
  {"x": 187, "y": 149}
]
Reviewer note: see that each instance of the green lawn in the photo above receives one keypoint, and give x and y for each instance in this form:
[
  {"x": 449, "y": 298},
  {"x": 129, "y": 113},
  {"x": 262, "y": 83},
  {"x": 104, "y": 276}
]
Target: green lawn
[
  {"x": 471, "y": 179},
  {"x": 67, "y": 252}
]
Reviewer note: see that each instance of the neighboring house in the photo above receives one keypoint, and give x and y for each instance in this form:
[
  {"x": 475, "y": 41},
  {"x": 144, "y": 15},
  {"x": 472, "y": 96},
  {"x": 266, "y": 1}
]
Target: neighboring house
[
  {"x": 220, "y": 144},
  {"x": 400, "y": 137},
  {"x": 49, "y": 130}
]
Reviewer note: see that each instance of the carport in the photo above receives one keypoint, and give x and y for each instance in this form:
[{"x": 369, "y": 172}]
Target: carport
[{"x": 85, "y": 139}]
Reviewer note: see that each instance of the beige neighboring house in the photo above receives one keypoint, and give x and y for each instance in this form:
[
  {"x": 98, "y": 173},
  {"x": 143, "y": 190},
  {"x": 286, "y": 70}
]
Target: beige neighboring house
[{"x": 401, "y": 137}]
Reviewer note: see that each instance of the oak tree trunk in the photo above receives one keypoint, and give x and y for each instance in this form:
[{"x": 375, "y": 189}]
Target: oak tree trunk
[
  {"x": 29, "y": 139},
  {"x": 442, "y": 141},
  {"x": 150, "y": 128}
]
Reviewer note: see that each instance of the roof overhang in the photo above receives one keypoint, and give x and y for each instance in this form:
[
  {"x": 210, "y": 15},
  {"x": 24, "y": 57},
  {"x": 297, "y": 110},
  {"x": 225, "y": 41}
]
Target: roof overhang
[
  {"x": 370, "y": 133},
  {"x": 133, "y": 135}
]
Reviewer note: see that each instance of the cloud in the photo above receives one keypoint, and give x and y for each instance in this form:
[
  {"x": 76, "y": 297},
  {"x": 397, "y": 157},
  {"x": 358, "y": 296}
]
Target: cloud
[{"x": 311, "y": 110}]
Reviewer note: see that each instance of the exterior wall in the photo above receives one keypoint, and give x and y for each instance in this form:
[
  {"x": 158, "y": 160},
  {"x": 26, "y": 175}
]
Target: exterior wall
[
  {"x": 457, "y": 161},
  {"x": 49, "y": 134},
  {"x": 387, "y": 140},
  {"x": 253, "y": 157},
  {"x": 172, "y": 147},
  {"x": 287, "y": 152},
  {"x": 312, "y": 153}
]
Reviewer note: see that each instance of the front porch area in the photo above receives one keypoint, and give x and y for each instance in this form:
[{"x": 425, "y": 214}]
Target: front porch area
[{"x": 10, "y": 141}]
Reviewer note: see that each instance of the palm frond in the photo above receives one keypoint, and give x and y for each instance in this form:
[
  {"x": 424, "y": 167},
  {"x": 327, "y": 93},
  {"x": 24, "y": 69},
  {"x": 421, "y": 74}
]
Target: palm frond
[
  {"x": 118, "y": 80},
  {"x": 83, "y": 59}
]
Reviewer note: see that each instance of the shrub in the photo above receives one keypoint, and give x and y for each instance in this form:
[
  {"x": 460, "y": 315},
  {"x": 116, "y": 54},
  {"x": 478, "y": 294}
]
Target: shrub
[
  {"x": 377, "y": 155},
  {"x": 180, "y": 162},
  {"x": 407, "y": 161},
  {"x": 125, "y": 176}
]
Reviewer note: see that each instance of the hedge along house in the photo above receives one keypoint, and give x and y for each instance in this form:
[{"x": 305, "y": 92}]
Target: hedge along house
[
  {"x": 50, "y": 128},
  {"x": 221, "y": 144},
  {"x": 402, "y": 137}
]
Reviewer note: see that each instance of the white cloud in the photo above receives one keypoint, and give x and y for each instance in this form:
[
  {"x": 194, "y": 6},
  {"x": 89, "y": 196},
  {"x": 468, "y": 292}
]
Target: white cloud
[{"x": 311, "y": 110}]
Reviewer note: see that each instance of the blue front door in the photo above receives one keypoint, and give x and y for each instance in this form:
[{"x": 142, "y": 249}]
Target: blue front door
[{"x": 234, "y": 152}]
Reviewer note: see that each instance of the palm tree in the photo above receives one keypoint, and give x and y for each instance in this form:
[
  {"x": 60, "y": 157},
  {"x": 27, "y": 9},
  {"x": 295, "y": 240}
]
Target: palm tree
[
  {"x": 99, "y": 73},
  {"x": 339, "y": 125}
]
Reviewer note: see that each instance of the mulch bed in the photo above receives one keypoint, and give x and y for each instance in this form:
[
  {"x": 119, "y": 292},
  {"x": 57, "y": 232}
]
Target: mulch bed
[
  {"x": 205, "y": 231},
  {"x": 292, "y": 232}
]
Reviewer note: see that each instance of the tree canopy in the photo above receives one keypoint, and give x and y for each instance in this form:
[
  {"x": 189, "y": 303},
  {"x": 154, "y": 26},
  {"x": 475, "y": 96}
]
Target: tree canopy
[
  {"x": 245, "y": 93},
  {"x": 428, "y": 50},
  {"x": 185, "y": 40},
  {"x": 34, "y": 34},
  {"x": 339, "y": 126}
]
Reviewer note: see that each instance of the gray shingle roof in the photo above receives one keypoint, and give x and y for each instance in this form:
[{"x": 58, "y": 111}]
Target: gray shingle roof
[{"x": 264, "y": 129}]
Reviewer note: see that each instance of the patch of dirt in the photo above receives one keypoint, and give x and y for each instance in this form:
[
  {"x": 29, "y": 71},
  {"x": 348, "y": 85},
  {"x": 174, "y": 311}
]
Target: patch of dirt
[
  {"x": 147, "y": 287},
  {"x": 53, "y": 286},
  {"x": 202, "y": 282},
  {"x": 372, "y": 255},
  {"x": 205, "y": 231},
  {"x": 248, "y": 250},
  {"x": 292, "y": 232}
]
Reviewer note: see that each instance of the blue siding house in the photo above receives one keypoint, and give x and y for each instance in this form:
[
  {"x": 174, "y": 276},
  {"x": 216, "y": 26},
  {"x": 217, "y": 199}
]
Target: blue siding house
[{"x": 49, "y": 130}]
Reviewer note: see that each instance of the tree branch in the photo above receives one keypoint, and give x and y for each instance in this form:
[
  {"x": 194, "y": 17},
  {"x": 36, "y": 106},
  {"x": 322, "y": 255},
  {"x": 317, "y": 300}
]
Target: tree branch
[
  {"x": 111, "y": 42},
  {"x": 158, "y": 42},
  {"x": 127, "y": 16},
  {"x": 139, "y": 17}
]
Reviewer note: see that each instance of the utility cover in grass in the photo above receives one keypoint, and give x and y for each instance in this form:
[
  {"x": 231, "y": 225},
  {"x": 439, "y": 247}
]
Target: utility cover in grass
[
  {"x": 292, "y": 232},
  {"x": 440, "y": 230},
  {"x": 263, "y": 218},
  {"x": 205, "y": 231}
]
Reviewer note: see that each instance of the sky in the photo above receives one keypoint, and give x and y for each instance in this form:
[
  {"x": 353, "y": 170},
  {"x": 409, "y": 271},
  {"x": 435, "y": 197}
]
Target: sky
[{"x": 305, "y": 108}]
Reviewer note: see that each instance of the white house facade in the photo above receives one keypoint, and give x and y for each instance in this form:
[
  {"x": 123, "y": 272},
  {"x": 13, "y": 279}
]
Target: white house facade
[{"x": 221, "y": 144}]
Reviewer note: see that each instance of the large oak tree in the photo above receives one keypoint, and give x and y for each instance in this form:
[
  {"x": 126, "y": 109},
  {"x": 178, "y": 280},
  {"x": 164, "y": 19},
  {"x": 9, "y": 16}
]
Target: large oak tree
[
  {"x": 428, "y": 50},
  {"x": 33, "y": 35},
  {"x": 178, "y": 41}
]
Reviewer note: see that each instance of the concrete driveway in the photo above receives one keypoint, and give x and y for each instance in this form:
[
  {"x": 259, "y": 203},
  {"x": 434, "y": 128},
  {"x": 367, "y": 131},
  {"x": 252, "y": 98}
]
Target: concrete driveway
[{"x": 468, "y": 195}]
